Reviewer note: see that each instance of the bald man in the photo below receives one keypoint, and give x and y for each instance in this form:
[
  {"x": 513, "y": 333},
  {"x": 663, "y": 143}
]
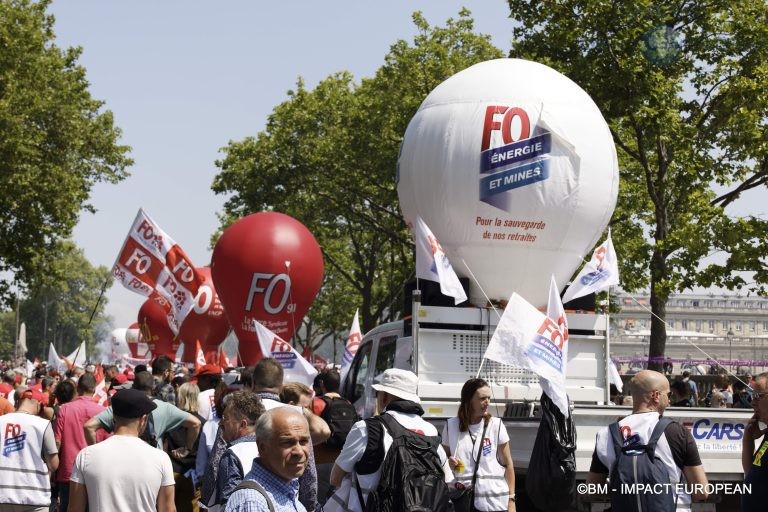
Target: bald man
[
  {"x": 676, "y": 447},
  {"x": 283, "y": 440}
]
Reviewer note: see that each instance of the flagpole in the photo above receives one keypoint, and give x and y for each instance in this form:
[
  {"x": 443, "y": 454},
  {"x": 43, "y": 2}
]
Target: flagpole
[
  {"x": 608, "y": 349},
  {"x": 416, "y": 306}
]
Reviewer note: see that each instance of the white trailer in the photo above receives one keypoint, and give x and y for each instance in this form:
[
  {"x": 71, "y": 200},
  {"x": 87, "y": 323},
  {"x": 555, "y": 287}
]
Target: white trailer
[{"x": 448, "y": 347}]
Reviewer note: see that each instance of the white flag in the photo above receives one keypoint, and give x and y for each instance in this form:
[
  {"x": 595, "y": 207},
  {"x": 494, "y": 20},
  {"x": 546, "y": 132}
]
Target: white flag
[
  {"x": 78, "y": 357},
  {"x": 54, "y": 360},
  {"x": 150, "y": 263},
  {"x": 295, "y": 367},
  {"x": 598, "y": 274},
  {"x": 353, "y": 342},
  {"x": 433, "y": 264},
  {"x": 615, "y": 377},
  {"x": 556, "y": 313},
  {"x": 527, "y": 338}
]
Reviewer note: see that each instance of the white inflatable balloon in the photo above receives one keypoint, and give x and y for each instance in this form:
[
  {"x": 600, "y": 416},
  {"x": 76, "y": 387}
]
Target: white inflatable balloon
[
  {"x": 117, "y": 345},
  {"x": 513, "y": 167}
]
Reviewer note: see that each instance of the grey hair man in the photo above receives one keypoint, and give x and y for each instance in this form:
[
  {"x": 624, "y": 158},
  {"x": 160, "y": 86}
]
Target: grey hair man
[{"x": 283, "y": 440}]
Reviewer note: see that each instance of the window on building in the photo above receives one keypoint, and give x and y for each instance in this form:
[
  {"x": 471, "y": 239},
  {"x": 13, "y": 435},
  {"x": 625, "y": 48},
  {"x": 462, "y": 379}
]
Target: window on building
[
  {"x": 721, "y": 303},
  {"x": 707, "y": 303},
  {"x": 738, "y": 325},
  {"x": 751, "y": 326},
  {"x": 711, "y": 326},
  {"x": 765, "y": 326},
  {"x": 734, "y": 304},
  {"x": 695, "y": 303},
  {"x": 698, "y": 325},
  {"x": 684, "y": 325},
  {"x": 726, "y": 325}
]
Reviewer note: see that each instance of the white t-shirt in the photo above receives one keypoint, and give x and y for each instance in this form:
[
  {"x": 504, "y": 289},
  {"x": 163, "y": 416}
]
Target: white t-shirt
[
  {"x": 492, "y": 491},
  {"x": 122, "y": 473},
  {"x": 357, "y": 440},
  {"x": 205, "y": 404}
]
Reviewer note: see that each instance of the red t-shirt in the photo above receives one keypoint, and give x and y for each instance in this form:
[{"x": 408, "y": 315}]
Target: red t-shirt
[
  {"x": 68, "y": 430},
  {"x": 5, "y": 389}
]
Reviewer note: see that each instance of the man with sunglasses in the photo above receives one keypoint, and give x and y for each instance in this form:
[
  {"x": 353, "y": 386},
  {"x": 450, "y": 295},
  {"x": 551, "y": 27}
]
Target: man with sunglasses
[{"x": 755, "y": 462}]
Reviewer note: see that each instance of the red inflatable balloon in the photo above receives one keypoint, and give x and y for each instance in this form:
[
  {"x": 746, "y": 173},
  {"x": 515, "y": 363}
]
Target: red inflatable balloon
[
  {"x": 206, "y": 322},
  {"x": 155, "y": 330},
  {"x": 267, "y": 267}
]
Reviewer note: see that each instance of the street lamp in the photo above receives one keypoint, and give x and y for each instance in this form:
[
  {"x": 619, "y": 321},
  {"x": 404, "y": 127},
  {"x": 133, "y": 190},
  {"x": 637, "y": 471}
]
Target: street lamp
[{"x": 729, "y": 335}]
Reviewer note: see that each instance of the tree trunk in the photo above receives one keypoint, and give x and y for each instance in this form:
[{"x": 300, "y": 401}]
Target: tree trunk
[{"x": 658, "y": 342}]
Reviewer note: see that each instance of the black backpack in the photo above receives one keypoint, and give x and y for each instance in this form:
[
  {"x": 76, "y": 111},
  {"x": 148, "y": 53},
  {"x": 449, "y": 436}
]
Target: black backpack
[
  {"x": 412, "y": 478},
  {"x": 340, "y": 415},
  {"x": 637, "y": 463}
]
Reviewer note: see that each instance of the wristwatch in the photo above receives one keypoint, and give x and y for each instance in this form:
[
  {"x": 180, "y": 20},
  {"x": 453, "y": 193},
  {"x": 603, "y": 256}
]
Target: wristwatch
[{"x": 512, "y": 498}]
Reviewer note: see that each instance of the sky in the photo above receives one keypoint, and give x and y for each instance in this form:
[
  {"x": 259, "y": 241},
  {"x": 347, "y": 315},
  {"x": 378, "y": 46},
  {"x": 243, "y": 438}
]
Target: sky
[{"x": 183, "y": 78}]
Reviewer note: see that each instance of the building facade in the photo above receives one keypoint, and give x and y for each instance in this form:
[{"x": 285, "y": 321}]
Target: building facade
[{"x": 729, "y": 329}]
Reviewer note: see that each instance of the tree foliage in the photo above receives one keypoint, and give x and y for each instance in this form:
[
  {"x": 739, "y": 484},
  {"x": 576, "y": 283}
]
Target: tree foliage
[
  {"x": 57, "y": 141},
  {"x": 59, "y": 309},
  {"x": 684, "y": 88},
  {"x": 327, "y": 157}
]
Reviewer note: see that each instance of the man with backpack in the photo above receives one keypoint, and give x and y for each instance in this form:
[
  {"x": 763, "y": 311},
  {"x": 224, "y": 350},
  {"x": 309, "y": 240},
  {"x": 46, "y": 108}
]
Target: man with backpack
[
  {"x": 646, "y": 455},
  {"x": 340, "y": 415},
  {"x": 394, "y": 461}
]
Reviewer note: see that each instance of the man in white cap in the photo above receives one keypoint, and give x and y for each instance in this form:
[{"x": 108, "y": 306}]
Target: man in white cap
[{"x": 365, "y": 448}]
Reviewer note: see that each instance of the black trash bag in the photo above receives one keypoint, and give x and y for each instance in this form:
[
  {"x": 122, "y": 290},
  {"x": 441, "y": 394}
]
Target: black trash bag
[{"x": 550, "y": 481}]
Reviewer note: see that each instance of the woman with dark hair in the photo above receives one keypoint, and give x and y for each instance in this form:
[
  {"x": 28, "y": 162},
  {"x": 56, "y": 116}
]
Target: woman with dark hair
[{"x": 478, "y": 449}]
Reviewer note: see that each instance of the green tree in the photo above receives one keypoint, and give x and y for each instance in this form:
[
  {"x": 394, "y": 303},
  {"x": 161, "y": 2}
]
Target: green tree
[
  {"x": 59, "y": 309},
  {"x": 56, "y": 141},
  {"x": 327, "y": 157},
  {"x": 683, "y": 86}
]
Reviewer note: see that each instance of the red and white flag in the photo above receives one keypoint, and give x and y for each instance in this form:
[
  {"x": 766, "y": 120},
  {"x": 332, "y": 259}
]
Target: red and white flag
[
  {"x": 199, "y": 356},
  {"x": 527, "y": 338},
  {"x": 353, "y": 342},
  {"x": 150, "y": 261},
  {"x": 599, "y": 273},
  {"x": 433, "y": 264},
  {"x": 100, "y": 393},
  {"x": 223, "y": 359},
  {"x": 295, "y": 367}
]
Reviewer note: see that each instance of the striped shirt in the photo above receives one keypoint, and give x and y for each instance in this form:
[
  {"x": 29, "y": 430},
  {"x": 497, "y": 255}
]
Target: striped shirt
[{"x": 284, "y": 495}]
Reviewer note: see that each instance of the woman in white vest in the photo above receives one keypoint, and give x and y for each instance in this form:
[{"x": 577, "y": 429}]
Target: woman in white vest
[{"x": 474, "y": 435}]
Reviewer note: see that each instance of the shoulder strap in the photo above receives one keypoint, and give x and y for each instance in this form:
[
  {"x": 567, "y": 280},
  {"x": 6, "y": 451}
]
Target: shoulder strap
[
  {"x": 251, "y": 484},
  {"x": 613, "y": 430},
  {"x": 479, "y": 450},
  {"x": 658, "y": 430},
  {"x": 392, "y": 425}
]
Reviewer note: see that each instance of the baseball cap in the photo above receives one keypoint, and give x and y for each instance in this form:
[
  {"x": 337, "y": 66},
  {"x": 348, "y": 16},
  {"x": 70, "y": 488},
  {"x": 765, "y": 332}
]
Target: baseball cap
[
  {"x": 400, "y": 383},
  {"x": 132, "y": 403},
  {"x": 33, "y": 394},
  {"x": 208, "y": 369}
]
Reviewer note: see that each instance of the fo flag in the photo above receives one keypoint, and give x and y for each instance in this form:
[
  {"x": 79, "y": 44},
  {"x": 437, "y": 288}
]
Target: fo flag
[
  {"x": 556, "y": 313},
  {"x": 433, "y": 264},
  {"x": 353, "y": 342},
  {"x": 598, "y": 274},
  {"x": 150, "y": 261},
  {"x": 529, "y": 339},
  {"x": 295, "y": 367}
]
